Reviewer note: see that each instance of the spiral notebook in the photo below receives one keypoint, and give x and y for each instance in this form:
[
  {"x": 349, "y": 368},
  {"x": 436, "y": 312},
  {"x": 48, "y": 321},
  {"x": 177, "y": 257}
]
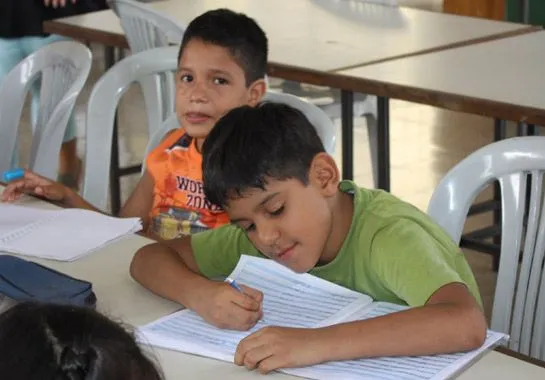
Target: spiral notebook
[
  {"x": 60, "y": 234},
  {"x": 306, "y": 301}
]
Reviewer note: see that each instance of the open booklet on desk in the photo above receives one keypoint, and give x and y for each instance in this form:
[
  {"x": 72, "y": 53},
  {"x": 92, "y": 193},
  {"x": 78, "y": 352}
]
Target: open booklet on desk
[
  {"x": 302, "y": 300},
  {"x": 59, "y": 234}
]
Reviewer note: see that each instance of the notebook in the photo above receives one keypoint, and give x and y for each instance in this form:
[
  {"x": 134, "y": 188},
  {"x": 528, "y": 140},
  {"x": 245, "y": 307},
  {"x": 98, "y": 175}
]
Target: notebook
[
  {"x": 60, "y": 234},
  {"x": 302, "y": 300}
]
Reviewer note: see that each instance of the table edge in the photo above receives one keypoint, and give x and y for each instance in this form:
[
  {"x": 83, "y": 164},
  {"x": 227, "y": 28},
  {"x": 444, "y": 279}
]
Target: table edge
[
  {"x": 445, "y": 100},
  {"x": 519, "y": 356},
  {"x": 119, "y": 40},
  {"x": 86, "y": 34},
  {"x": 524, "y": 29}
]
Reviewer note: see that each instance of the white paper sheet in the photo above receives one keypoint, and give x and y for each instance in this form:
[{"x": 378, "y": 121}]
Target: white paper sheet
[
  {"x": 289, "y": 300},
  {"x": 63, "y": 234}
]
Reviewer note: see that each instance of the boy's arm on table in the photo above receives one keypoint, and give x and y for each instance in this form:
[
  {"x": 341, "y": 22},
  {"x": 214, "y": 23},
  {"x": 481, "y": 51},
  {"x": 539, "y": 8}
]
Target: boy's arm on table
[
  {"x": 169, "y": 269},
  {"x": 451, "y": 321},
  {"x": 416, "y": 268},
  {"x": 138, "y": 205},
  {"x": 45, "y": 189}
]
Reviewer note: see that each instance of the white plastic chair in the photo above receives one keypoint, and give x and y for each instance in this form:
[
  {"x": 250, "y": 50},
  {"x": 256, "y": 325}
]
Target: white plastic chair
[
  {"x": 519, "y": 301},
  {"x": 147, "y": 29},
  {"x": 101, "y": 111},
  {"x": 168, "y": 125},
  {"x": 317, "y": 117},
  {"x": 63, "y": 68},
  {"x": 324, "y": 126}
]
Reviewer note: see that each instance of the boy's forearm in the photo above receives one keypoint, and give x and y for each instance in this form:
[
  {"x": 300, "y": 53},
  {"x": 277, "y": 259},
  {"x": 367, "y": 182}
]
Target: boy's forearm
[
  {"x": 431, "y": 329},
  {"x": 161, "y": 270}
]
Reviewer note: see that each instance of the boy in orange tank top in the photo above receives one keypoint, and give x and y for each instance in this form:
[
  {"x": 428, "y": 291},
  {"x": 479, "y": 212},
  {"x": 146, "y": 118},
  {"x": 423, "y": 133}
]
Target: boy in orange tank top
[{"x": 221, "y": 65}]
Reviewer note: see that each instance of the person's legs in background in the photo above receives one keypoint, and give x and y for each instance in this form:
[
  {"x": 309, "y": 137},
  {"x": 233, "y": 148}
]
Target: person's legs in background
[{"x": 69, "y": 163}]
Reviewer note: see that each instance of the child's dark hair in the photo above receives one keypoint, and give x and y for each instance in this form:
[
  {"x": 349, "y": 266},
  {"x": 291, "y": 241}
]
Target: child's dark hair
[
  {"x": 251, "y": 144},
  {"x": 58, "y": 342},
  {"x": 236, "y": 32}
]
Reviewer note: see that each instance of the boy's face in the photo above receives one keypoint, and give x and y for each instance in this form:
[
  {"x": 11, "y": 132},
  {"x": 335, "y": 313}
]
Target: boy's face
[
  {"x": 288, "y": 222},
  {"x": 210, "y": 83}
]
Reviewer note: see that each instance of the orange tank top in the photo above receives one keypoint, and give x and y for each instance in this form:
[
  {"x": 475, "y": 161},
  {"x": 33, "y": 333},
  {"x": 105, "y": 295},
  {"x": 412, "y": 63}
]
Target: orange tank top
[{"x": 179, "y": 204}]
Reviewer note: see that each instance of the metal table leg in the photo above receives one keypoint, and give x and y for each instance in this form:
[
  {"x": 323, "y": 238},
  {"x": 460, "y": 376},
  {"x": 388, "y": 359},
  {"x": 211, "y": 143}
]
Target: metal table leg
[
  {"x": 383, "y": 125},
  {"x": 115, "y": 185},
  {"x": 347, "y": 123}
]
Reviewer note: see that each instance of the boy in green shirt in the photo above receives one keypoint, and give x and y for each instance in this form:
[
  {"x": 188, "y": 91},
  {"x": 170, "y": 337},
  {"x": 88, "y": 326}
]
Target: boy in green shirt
[{"x": 267, "y": 167}]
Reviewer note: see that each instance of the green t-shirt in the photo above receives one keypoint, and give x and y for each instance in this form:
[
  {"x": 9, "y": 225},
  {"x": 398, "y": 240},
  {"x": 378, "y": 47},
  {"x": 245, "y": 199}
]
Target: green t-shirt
[{"x": 393, "y": 251}]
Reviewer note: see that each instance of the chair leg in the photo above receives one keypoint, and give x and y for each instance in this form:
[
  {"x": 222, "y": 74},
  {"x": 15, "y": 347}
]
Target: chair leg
[
  {"x": 115, "y": 185},
  {"x": 500, "y": 133},
  {"x": 497, "y": 222},
  {"x": 115, "y": 178},
  {"x": 372, "y": 131},
  {"x": 347, "y": 125},
  {"x": 383, "y": 131}
]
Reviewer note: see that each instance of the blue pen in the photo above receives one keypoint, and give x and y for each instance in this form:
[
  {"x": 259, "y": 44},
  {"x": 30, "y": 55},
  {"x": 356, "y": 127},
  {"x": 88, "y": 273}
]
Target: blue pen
[
  {"x": 13, "y": 174},
  {"x": 234, "y": 284},
  {"x": 237, "y": 287}
]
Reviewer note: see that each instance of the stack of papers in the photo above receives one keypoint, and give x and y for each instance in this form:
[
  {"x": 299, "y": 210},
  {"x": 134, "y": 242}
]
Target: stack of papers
[{"x": 62, "y": 234}]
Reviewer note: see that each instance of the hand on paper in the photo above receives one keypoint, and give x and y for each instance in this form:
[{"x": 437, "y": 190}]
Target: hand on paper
[
  {"x": 226, "y": 308},
  {"x": 36, "y": 185},
  {"x": 272, "y": 348}
]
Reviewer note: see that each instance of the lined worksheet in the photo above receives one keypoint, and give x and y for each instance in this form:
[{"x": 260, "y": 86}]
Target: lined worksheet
[
  {"x": 297, "y": 300},
  {"x": 291, "y": 300},
  {"x": 433, "y": 367}
]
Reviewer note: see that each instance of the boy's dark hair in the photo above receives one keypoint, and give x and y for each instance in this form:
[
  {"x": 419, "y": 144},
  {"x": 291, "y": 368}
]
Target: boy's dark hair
[
  {"x": 236, "y": 32},
  {"x": 251, "y": 144},
  {"x": 52, "y": 342}
]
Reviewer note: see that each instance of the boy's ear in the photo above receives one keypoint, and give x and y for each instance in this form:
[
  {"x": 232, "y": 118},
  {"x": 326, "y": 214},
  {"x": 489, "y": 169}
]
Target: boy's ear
[
  {"x": 256, "y": 91},
  {"x": 324, "y": 174}
]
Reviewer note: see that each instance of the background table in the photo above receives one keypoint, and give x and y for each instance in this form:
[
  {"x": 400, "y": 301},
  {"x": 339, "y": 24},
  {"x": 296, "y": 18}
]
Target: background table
[
  {"x": 502, "y": 79},
  {"x": 311, "y": 40}
]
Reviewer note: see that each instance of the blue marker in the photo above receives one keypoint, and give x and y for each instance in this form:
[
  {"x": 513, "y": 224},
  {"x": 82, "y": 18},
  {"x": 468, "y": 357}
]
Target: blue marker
[
  {"x": 234, "y": 285},
  {"x": 13, "y": 174}
]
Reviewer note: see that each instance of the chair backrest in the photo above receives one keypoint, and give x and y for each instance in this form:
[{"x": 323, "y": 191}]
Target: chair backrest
[
  {"x": 325, "y": 128},
  {"x": 101, "y": 110},
  {"x": 147, "y": 29},
  {"x": 168, "y": 125},
  {"x": 63, "y": 68},
  {"x": 144, "y": 27},
  {"x": 518, "y": 165}
]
